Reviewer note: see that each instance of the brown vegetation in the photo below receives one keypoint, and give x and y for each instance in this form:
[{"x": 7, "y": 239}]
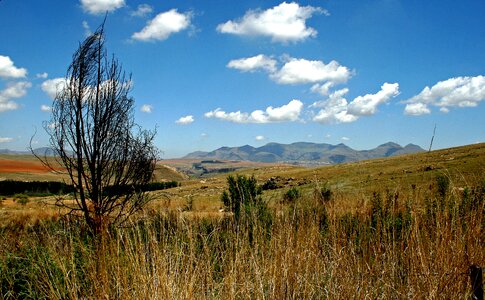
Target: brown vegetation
[{"x": 401, "y": 228}]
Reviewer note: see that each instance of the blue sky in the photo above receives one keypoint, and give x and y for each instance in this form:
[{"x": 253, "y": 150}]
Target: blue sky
[{"x": 228, "y": 73}]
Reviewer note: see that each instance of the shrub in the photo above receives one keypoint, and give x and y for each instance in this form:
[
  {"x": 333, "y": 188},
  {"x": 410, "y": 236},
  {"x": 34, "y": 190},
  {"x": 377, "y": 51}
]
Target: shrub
[
  {"x": 243, "y": 198},
  {"x": 244, "y": 193},
  {"x": 270, "y": 184},
  {"x": 292, "y": 195},
  {"x": 442, "y": 184},
  {"x": 323, "y": 194},
  {"x": 21, "y": 199}
]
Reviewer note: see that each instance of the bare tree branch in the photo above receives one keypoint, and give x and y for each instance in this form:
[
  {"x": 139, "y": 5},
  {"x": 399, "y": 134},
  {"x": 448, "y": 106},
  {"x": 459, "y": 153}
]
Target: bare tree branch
[{"x": 94, "y": 136}]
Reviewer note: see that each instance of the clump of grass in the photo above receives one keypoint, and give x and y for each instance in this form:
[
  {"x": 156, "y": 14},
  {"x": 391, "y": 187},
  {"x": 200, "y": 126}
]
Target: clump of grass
[{"x": 21, "y": 199}]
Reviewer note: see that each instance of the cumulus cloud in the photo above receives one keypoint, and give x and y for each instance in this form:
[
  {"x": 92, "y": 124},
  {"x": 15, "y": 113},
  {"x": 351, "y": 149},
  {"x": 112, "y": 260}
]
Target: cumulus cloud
[
  {"x": 251, "y": 64},
  {"x": 260, "y": 138},
  {"x": 345, "y": 139},
  {"x": 52, "y": 86},
  {"x": 416, "y": 109},
  {"x": 322, "y": 89},
  {"x": 299, "y": 70},
  {"x": 142, "y": 10},
  {"x": 296, "y": 71},
  {"x": 8, "y": 70},
  {"x": 185, "y": 120},
  {"x": 336, "y": 109},
  {"x": 97, "y": 7},
  {"x": 13, "y": 91},
  {"x": 163, "y": 25},
  {"x": 284, "y": 23},
  {"x": 367, "y": 105},
  {"x": 146, "y": 108},
  {"x": 42, "y": 75},
  {"x": 45, "y": 108},
  {"x": 6, "y": 139},
  {"x": 286, "y": 113},
  {"x": 453, "y": 92}
]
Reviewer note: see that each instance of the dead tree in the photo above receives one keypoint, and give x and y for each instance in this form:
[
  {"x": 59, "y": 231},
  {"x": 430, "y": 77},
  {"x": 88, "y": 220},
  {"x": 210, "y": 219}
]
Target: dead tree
[{"x": 107, "y": 156}]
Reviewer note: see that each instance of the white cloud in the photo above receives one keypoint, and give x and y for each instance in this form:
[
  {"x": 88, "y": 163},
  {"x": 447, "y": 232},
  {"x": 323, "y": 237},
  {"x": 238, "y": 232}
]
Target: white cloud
[
  {"x": 260, "y": 138},
  {"x": 322, "y": 89},
  {"x": 9, "y": 70},
  {"x": 13, "y": 91},
  {"x": 367, "y": 105},
  {"x": 334, "y": 109},
  {"x": 45, "y": 108},
  {"x": 296, "y": 71},
  {"x": 416, "y": 109},
  {"x": 254, "y": 63},
  {"x": 444, "y": 110},
  {"x": 286, "y": 113},
  {"x": 453, "y": 92},
  {"x": 185, "y": 120},
  {"x": 6, "y": 139},
  {"x": 344, "y": 138},
  {"x": 87, "y": 29},
  {"x": 96, "y": 7},
  {"x": 283, "y": 23},
  {"x": 163, "y": 25},
  {"x": 142, "y": 10},
  {"x": 52, "y": 86},
  {"x": 42, "y": 75},
  {"x": 146, "y": 108}
]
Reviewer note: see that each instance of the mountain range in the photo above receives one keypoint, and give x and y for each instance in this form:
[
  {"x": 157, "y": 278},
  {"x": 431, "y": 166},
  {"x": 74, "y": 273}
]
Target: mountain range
[
  {"x": 304, "y": 153},
  {"x": 38, "y": 151}
]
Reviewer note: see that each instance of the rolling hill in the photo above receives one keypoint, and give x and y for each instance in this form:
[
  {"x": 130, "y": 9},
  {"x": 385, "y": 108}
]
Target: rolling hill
[{"x": 304, "y": 153}]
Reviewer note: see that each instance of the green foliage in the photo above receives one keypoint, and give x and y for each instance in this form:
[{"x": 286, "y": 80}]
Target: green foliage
[
  {"x": 376, "y": 211},
  {"x": 21, "y": 199},
  {"x": 243, "y": 198},
  {"x": 152, "y": 186},
  {"x": 34, "y": 188},
  {"x": 292, "y": 195},
  {"x": 244, "y": 194},
  {"x": 323, "y": 194},
  {"x": 271, "y": 184},
  {"x": 442, "y": 184}
]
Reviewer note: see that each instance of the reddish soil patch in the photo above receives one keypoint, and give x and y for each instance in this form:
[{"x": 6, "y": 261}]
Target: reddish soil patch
[{"x": 15, "y": 166}]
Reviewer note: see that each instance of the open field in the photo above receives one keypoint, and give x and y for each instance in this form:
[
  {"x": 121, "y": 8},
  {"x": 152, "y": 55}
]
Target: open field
[{"x": 406, "y": 227}]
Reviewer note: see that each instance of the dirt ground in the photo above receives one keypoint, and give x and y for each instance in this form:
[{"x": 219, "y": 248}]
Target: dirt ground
[{"x": 11, "y": 166}]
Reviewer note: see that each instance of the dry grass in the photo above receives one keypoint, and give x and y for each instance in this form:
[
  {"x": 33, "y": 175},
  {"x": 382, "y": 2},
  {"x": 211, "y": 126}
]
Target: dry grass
[{"x": 397, "y": 237}]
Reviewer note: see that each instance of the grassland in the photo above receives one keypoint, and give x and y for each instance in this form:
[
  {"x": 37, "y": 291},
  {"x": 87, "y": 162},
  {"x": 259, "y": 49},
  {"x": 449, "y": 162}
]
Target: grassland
[{"x": 406, "y": 227}]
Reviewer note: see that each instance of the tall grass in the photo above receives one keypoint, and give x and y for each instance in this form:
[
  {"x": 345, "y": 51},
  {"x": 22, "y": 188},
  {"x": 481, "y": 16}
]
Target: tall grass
[{"x": 401, "y": 244}]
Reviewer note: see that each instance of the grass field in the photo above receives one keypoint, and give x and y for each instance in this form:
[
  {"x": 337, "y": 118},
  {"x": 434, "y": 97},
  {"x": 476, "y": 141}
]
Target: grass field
[{"x": 406, "y": 227}]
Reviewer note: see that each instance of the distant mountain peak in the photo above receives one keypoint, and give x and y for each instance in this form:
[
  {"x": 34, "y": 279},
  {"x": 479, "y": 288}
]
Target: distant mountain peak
[{"x": 304, "y": 153}]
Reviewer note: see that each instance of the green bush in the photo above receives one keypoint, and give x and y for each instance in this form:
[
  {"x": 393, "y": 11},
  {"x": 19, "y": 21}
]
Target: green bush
[
  {"x": 323, "y": 194},
  {"x": 243, "y": 198},
  {"x": 292, "y": 195},
  {"x": 21, "y": 199}
]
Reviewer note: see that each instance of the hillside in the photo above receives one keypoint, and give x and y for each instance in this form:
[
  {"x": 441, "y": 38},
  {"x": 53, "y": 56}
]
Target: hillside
[{"x": 304, "y": 153}]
